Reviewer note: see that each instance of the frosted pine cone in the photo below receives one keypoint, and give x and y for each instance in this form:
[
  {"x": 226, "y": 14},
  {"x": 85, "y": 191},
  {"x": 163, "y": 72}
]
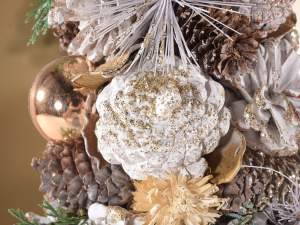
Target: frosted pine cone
[
  {"x": 261, "y": 186},
  {"x": 66, "y": 32},
  {"x": 217, "y": 54},
  {"x": 269, "y": 14},
  {"x": 153, "y": 124},
  {"x": 269, "y": 113},
  {"x": 85, "y": 43},
  {"x": 68, "y": 175}
]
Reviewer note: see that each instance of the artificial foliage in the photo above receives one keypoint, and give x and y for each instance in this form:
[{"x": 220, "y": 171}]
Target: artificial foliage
[
  {"x": 245, "y": 215},
  {"x": 55, "y": 216},
  {"x": 38, "y": 15},
  {"x": 168, "y": 112}
]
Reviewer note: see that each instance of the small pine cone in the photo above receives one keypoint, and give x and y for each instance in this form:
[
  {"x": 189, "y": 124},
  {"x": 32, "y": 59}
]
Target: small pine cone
[
  {"x": 218, "y": 55},
  {"x": 66, "y": 33},
  {"x": 71, "y": 177},
  {"x": 268, "y": 15},
  {"x": 261, "y": 186}
]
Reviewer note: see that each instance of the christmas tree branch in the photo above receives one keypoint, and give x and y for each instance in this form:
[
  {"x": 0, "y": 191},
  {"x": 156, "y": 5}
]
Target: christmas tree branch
[
  {"x": 21, "y": 216},
  {"x": 53, "y": 216},
  {"x": 39, "y": 16}
]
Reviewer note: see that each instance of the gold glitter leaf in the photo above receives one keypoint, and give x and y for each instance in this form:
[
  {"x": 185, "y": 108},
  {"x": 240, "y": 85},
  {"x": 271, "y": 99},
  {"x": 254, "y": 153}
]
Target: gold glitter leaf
[
  {"x": 226, "y": 161},
  {"x": 102, "y": 74},
  {"x": 89, "y": 81},
  {"x": 112, "y": 65}
]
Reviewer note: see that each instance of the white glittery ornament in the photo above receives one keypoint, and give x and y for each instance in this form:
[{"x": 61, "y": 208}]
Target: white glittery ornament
[
  {"x": 97, "y": 211},
  {"x": 155, "y": 123},
  {"x": 99, "y": 214}
]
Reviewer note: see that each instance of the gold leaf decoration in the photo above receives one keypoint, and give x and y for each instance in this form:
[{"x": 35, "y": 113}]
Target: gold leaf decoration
[
  {"x": 80, "y": 75},
  {"x": 89, "y": 81},
  {"x": 112, "y": 66},
  {"x": 178, "y": 200},
  {"x": 226, "y": 161}
]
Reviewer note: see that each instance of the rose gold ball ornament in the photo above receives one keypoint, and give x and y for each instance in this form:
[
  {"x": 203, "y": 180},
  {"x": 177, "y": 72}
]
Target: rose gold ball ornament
[{"x": 56, "y": 108}]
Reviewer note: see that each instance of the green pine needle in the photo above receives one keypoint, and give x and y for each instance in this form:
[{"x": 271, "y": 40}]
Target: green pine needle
[
  {"x": 245, "y": 216},
  {"x": 20, "y": 216},
  {"x": 60, "y": 215},
  {"x": 39, "y": 16}
]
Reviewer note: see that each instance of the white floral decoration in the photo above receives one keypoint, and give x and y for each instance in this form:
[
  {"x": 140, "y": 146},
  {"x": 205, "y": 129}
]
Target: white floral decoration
[{"x": 113, "y": 28}]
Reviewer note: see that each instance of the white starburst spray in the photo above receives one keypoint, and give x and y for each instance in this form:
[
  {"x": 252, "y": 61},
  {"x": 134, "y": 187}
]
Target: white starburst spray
[{"x": 147, "y": 27}]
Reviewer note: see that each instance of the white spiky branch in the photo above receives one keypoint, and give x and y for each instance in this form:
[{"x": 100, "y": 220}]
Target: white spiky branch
[{"x": 155, "y": 31}]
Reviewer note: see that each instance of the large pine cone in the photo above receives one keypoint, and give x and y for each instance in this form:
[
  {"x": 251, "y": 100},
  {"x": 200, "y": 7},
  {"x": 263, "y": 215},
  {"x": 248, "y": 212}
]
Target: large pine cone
[
  {"x": 65, "y": 33},
  {"x": 71, "y": 177},
  {"x": 215, "y": 52},
  {"x": 261, "y": 186}
]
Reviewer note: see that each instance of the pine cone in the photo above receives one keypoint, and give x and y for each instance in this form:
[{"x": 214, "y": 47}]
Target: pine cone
[
  {"x": 268, "y": 14},
  {"x": 66, "y": 32},
  {"x": 261, "y": 186},
  {"x": 269, "y": 112},
  {"x": 152, "y": 140},
  {"x": 70, "y": 176},
  {"x": 217, "y": 54}
]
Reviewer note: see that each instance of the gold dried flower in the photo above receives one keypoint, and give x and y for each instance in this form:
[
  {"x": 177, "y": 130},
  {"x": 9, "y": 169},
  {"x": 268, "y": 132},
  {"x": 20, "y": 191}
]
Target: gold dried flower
[{"x": 178, "y": 200}]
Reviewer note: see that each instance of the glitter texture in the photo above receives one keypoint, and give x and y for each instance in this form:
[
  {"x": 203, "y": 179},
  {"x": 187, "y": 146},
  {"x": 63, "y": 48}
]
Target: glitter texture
[{"x": 154, "y": 123}]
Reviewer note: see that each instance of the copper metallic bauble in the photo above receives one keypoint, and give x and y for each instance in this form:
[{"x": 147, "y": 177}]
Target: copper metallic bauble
[{"x": 57, "y": 110}]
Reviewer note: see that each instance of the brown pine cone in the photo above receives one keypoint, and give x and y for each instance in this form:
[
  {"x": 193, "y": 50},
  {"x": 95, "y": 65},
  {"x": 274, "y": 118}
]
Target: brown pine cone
[
  {"x": 66, "y": 33},
  {"x": 71, "y": 177},
  {"x": 217, "y": 54},
  {"x": 261, "y": 186}
]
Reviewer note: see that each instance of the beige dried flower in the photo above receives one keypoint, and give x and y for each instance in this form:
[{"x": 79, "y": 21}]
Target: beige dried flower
[{"x": 178, "y": 200}]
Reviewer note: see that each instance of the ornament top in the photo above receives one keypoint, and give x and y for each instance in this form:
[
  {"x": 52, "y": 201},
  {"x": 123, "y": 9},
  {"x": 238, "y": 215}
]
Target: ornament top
[{"x": 155, "y": 123}]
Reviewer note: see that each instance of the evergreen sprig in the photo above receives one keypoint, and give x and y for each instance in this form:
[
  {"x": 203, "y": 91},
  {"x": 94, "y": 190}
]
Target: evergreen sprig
[
  {"x": 39, "y": 16},
  {"x": 20, "y": 215},
  {"x": 61, "y": 216},
  {"x": 245, "y": 216}
]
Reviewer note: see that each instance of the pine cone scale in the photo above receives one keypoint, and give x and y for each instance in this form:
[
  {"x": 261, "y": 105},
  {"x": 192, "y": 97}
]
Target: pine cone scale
[
  {"x": 68, "y": 175},
  {"x": 261, "y": 186}
]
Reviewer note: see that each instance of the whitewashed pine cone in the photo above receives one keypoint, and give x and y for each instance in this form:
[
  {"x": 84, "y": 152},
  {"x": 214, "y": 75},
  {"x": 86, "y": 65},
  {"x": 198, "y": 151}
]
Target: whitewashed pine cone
[
  {"x": 269, "y": 114},
  {"x": 153, "y": 124},
  {"x": 268, "y": 14},
  {"x": 87, "y": 42}
]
